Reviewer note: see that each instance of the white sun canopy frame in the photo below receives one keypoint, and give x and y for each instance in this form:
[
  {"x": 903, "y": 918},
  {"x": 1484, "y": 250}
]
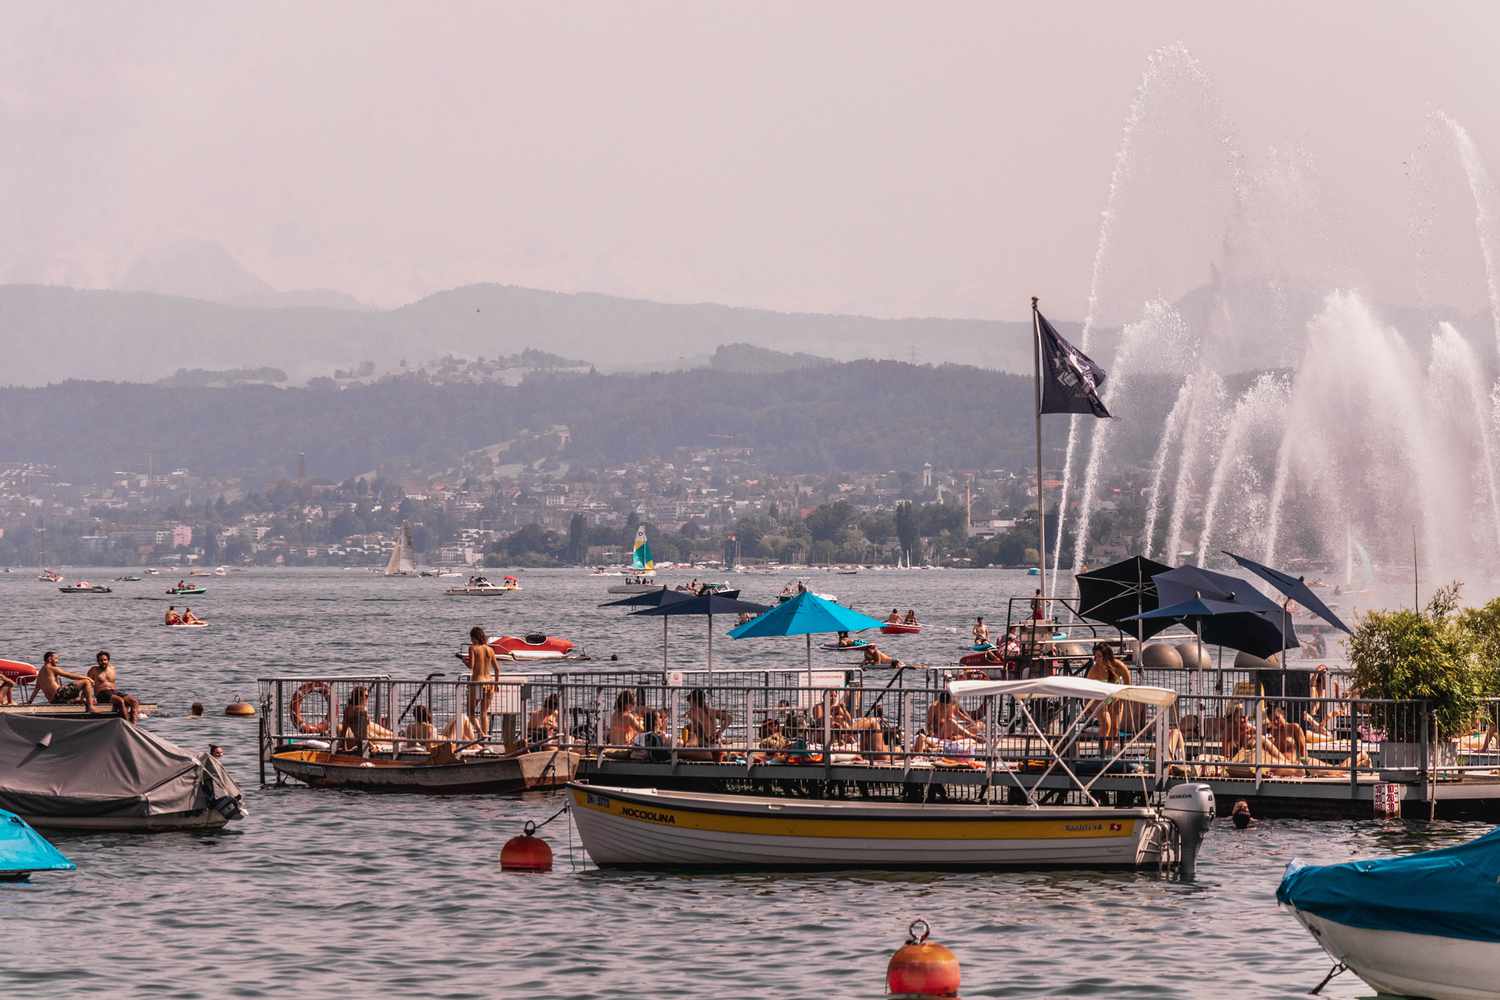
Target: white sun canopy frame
[{"x": 1069, "y": 687}]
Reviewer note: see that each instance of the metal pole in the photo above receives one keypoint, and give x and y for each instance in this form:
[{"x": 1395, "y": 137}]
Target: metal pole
[
  {"x": 1041, "y": 507},
  {"x": 710, "y": 645}
]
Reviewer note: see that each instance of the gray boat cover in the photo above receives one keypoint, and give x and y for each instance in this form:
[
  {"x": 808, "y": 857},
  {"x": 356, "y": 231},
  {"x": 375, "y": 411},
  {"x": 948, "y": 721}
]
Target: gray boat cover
[{"x": 105, "y": 768}]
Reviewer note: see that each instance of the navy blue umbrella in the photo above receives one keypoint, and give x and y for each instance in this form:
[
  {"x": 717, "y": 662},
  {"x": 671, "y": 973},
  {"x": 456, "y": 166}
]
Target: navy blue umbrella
[
  {"x": 727, "y": 603},
  {"x": 1188, "y": 582},
  {"x": 1293, "y": 588},
  {"x": 1230, "y": 623}
]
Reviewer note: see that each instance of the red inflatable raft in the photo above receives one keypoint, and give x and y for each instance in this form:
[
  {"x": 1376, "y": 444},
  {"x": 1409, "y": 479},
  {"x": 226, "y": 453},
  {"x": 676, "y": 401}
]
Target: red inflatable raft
[
  {"x": 17, "y": 671},
  {"x": 532, "y": 647},
  {"x": 900, "y": 628}
]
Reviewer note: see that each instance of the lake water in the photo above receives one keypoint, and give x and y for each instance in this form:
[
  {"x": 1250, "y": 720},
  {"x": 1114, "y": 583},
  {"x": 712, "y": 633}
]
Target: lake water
[{"x": 338, "y": 894}]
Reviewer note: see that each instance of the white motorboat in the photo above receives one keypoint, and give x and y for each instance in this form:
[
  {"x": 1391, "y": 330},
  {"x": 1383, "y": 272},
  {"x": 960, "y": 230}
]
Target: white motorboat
[
  {"x": 479, "y": 586},
  {"x": 1423, "y": 925},
  {"x": 643, "y": 584},
  {"x": 649, "y": 827}
]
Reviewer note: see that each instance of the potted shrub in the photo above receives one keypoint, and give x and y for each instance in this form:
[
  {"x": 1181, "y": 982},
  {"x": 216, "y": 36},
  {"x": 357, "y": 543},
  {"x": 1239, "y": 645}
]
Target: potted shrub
[{"x": 1430, "y": 655}]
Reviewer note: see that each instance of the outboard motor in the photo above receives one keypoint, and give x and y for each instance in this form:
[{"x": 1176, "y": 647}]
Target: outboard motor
[{"x": 1190, "y": 809}]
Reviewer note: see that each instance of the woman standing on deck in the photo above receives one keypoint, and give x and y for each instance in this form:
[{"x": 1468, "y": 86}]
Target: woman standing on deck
[
  {"x": 1106, "y": 667},
  {"x": 484, "y": 671}
]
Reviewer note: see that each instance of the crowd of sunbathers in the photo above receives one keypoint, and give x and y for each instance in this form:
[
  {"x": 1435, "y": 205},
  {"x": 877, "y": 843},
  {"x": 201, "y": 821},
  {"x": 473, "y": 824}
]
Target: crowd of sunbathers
[{"x": 97, "y": 689}]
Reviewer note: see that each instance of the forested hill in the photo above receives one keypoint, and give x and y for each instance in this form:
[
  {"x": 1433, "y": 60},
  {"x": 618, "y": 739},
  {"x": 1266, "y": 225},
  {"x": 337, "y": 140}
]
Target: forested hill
[{"x": 864, "y": 415}]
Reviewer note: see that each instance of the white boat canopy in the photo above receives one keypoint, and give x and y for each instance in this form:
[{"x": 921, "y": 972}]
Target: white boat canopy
[{"x": 1069, "y": 687}]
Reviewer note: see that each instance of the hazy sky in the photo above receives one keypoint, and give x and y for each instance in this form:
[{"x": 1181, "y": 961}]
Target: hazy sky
[{"x": 883, "y": 159}]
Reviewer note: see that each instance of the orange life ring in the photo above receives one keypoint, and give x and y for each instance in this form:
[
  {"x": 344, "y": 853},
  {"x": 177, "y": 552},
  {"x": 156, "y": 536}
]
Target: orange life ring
[{"x": 317, "y": 728}]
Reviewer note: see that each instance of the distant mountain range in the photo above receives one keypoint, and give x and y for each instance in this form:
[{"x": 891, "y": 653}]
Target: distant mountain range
[{"x": 50, "y": 333}]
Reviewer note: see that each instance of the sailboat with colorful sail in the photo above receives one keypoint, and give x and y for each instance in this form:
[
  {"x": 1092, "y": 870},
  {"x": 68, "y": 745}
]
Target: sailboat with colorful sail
[
  {"x": 401, "y": 563},
  {"x": 642, "y": 577}
]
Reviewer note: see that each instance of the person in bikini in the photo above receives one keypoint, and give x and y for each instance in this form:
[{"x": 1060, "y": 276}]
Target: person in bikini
[
  {"x": 103, "y": 674},
  {"x": 484, "y": 671},
  {"x": 981, "y": 632},
  {"x": 50, "y": 685},
  {"x": 625, "y": 723}
]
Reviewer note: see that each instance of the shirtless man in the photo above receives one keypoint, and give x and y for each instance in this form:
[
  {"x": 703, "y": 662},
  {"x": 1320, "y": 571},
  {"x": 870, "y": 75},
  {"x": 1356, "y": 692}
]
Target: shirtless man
[
  {"x": 625, "y": 723},
  {"x": 981, "y": 632},
  {"x": 188, "y": 618},
  {"x": 484, "y": 670},
  {"x": 945, "y": 720},
  {"x": 894, "y": 618},
  {"x": 173, "y": 618},
  {"x": 102, "y": 673},
  {"x": 49, "y": 684}
]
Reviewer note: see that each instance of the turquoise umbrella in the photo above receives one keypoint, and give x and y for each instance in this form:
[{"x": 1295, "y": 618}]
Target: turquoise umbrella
[
  {"x": 806, "y": 614},
  {"x": 23, "y": 850}
]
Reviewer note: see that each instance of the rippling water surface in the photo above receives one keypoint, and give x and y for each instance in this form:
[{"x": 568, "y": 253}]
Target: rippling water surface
[{"x": 322, "y": 893}]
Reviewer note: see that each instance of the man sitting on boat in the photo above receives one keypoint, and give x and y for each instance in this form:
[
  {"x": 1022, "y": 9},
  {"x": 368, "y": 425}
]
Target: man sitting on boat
[
  {"x": 950, "y": 726},
  {"x": 981, "y": 632},
  {"x": 188, "y": 618},
  {"x": 894, "y": 618},
  {"x": 104, "y": 676},
  {"x": 49, "y": 684},
  {"x": 173, "y": 618}
]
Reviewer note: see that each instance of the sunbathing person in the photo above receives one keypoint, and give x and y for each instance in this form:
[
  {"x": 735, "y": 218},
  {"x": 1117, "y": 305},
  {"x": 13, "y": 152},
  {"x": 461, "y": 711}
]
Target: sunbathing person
[
  {"x": 173, "y": 618},
  {"x": 870, "y": 729},
  {"x": 1288, "y": 737},
  {"x": 625, "y": 724},
  {"x": 844, "y": 641},
  {"x": 704, "y": 723},
  {"x": 542, "y": 725},
  {"x": 103, "y": 674},
  {"x": 49, "y": 684},
  {"x": 7, "y": 690},
  {"x": 947, "y": 722},
  {"x": 875, "y": 658},
  {"x": 357, "y": 730},
  {"x": 420, "y": 732},
  {"x": 188, "y": 618},
  {"x": 839, "y": 714}
]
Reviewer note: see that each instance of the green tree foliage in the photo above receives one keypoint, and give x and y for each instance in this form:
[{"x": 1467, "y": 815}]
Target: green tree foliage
[
  {"x": 906, "y": 529},
  {"x": 578, "y": 539},
  {"x": 828, "y": 521},
  {"x": 1429, "y": 655}
]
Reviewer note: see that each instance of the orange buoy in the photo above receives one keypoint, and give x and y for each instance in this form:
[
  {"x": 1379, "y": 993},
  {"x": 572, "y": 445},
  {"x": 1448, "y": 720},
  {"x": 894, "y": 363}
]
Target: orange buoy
[
  {"x": 920, "y": 968},
  {"x": 526, "y": 853},
  {"x": 240, "y": 708}
]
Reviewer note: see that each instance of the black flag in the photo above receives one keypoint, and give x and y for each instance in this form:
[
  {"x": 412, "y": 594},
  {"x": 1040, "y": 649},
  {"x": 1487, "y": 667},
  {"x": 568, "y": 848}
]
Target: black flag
[{"x": 1070, "y": 379}]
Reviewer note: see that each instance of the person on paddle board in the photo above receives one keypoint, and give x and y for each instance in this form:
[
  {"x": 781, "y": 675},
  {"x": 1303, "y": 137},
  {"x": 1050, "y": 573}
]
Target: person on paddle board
[{"x": 173, "y": 618}]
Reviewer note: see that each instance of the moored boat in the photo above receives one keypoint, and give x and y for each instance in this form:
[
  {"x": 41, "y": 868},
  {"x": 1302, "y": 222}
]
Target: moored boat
[
  {"x": 84, "y": 587},
  {"x": 104, "y": 773},
  {"x": 1421, "y": 925},
  {"x": 189, "y": 590},
  {"x": 426, "y": 773},
  {"x": 478, "y": 586},
  {"x": 654, "y": 828},
  {"x": 49, "y": 576}
]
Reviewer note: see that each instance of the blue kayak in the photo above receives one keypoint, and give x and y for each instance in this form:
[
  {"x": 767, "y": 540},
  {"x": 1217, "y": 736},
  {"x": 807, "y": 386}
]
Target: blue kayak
[{"x": 23, "y": 850}]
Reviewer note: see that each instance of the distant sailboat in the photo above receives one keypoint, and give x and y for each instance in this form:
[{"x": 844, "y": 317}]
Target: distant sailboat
[
  {"x": 642, "y": 577},
  {"x": 401, "y": 562}
]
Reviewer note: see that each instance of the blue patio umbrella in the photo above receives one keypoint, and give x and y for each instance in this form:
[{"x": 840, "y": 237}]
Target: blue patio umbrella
[
  {"x": 1293, "y": 588},
  {"x": 1234, "y": 623},
  {"x": 806, "y": 614},
  {"x": 727, "y": 603},
  {"x": 1188, "y": 582}
]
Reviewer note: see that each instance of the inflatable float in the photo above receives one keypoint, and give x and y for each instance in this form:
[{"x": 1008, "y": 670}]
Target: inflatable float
[
  {"x": 900, "y": 628},
  {"x": 857, "y": 646},
  {"x": 21, "y": 673},
  {"x": 533, "y": 646}
]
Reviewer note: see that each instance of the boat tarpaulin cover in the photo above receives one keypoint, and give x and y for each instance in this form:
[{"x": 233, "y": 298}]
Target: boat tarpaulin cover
[
  {"x": 22, "y": 849},
  {"x": 1068, "y": 687},
  {"x": 102, "y": 767},
  {"x": 1452, "y": 893}
]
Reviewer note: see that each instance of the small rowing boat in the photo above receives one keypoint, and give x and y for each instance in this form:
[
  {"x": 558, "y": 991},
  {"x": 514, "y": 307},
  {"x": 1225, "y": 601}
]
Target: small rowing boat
[
  {"x": 901, "y": 628},
  {"x": 469, "y": 774},
  {"x": 532, "y": 646}
]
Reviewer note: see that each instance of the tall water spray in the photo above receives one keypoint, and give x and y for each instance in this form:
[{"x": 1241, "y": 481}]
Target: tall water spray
[
  {"x": 1484, "y": 220},
  {"x": 1158, "y": 343},
  {"x": 1170, "y": 431},
  {"x": 1201, "y": 421},
  {"x": 1258, "y": 416},
  {"x": 1166, "y": 63}
]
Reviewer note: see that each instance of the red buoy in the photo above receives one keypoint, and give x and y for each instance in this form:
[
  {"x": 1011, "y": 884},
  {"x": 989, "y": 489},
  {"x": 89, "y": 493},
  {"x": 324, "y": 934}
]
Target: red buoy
[
  {"x": 922, "y": 969},
  {"x": 526, "y": 853}
]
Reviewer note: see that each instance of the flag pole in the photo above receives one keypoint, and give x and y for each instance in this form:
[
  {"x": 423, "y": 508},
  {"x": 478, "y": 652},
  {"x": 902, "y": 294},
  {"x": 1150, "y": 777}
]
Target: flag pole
[{"x": 1041, "y": 506}]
